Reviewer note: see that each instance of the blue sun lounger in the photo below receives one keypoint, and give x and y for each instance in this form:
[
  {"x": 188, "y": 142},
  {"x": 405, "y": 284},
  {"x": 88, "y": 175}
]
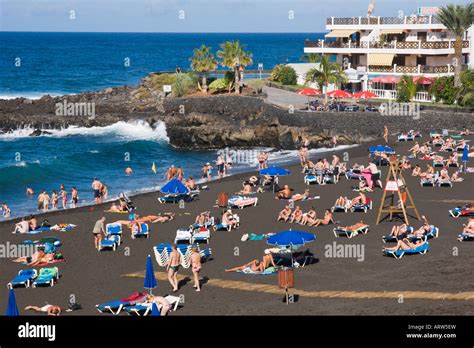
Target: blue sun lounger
[
  {"x": 350, "y": 174},
  {"x": 24, "y": 278},
  {"x": 113, "y": 229},
  {"x": 433, "y": 233},
  {"x": 110, "y": 242},
  {"x": 115, "y": 307},
  {"x": 46, "y": 276},
  {"x": 310, "y": 179},
  {"x": 144, "y": 233},
  {"x": 398, "y": 254}
]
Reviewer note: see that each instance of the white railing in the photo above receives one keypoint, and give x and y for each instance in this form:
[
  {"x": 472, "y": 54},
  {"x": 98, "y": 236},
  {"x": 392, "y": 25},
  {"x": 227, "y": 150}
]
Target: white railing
[{"x": 392, "y": 95}]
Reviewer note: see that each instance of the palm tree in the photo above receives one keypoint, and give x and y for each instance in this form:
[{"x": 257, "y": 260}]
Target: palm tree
[
  {"x": 203, "y": 61},
  {"x": 328, "y": 72},
  {"x": 458, "y": 19},
  {"x": 310, "y": 57},
  {"x": 234, "y": 56},
  {"x": 407, "y": 88}
]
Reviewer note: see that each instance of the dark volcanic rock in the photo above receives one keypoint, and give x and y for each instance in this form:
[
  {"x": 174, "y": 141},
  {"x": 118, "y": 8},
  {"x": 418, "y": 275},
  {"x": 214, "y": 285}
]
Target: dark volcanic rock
[{"x": 38, "y": 132}]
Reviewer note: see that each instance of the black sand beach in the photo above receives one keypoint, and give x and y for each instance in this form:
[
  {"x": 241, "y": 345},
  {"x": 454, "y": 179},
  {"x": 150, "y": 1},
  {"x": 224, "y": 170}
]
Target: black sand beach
[{"x": 95, "y": 277}]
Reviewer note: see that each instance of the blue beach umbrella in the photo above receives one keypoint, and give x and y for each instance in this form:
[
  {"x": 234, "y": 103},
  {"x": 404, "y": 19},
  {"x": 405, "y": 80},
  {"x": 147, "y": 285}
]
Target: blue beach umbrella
[
  {"x": 275, "y": 171},
  {"x": 290, "y": 238},
  {"x": 154, "y": 310},
  {"x": 381, "y": 148},
  {"x": 174, "y": 187},
  {"x": 150, "y": 280},
  {"x": 12, "y": 308}
]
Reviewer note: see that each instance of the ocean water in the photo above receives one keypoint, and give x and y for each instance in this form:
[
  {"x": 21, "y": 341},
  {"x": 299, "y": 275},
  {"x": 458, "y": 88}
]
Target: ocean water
[
  {"x": 65, "y": 63},
  {"x": 34, "y": 64}
]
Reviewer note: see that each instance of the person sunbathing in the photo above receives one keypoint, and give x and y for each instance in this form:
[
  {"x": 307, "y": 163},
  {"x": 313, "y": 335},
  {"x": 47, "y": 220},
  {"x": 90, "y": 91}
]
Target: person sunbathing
[
  {"x": 33, "y": 222},
  {"x": 415, "y": 149},
  {"x": 165, "y": 217},
  {"x": 48, "y": 309},
  {"x": 363, "y": 187},
  {"x": 444, "y": 175},
  {"x": 160, "y": 301},
  {"x": 343, "y": 202},
  {"x": 202, "y": 218},
  {"x": 254, "y": 266},
  {"x": 22, "y": 227},
  {"x": 428, "y": 174},
  {"x": 328, "y": 218},
  {"x": 254, "y": 180},
  {"x": 469, "y": 227},
  {"x": 354, "y": 227},
  {"x": 456, "y": 178},
  {"x": 357, "y": 168},
  {"x": 297, "y": 215},
  {"x": 300, "y": 196},
  {"x": 190, "y": 184},
  {"x": 448, "y": 145},
  {"x": 405, "y": 244},
  {"x": 285, "y": 193},
  {"x": 247, "y": 188},
  {"x": 426, "y": 228},
  {"x": 284, "y": 214},
  {"x": 115, "y": 208},
  {"x": 309, "y": 218},
  {"x": 416, "y": 171},
  {"x": 399, "y": 230},
  {"x": 228, "y": 219},
  {"x": 453, "y": 159},
  {"x": 361, "y": 199},
  {"x": 35, "y": 258},
  {"x": 123, "y": 206}
]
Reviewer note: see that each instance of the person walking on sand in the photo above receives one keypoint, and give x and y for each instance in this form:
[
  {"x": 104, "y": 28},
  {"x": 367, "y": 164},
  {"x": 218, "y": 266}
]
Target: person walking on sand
[
  {"x": 385, "y": 134},
  {"x": 196, "y": 267},
  {"x": 96, "y": 187},
  {"x": 74, "y": 197},
  {"x": 173, "y": 267},
  {"x": 98, "y": 231},
  {"x": 63, "y": 195}
]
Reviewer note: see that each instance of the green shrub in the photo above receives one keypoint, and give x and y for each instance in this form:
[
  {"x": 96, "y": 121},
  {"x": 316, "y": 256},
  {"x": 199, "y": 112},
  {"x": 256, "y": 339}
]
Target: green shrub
[
  {"x": 284, "y": 74},
  {"x": 218, "y": 85},
  {"x": 158, "y": 81},
  {"x": 256, "y": 85},
  {"x": 276, "y": 73},
  {"x": 443, "y": 90},
  {"x": 184, "y": 84}
]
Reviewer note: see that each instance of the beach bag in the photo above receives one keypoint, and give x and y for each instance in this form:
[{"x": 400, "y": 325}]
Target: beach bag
[{"x": 72, "y": 306}]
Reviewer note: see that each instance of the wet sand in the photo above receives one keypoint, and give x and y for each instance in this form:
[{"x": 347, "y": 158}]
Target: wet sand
[{"x": 94, "y": 277}]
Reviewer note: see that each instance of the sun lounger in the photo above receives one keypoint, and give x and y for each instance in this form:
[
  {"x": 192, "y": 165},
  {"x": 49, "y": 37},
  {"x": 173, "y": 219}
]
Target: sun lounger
[
  {"x": 145, "y": 308},
  {"x": 144, "y": 232},
  {"x": 24, "y": 278},
  {"x": 432, "y": 233},
  {"x": 362, "y": 207},
  {"x": 207, "y": 224},
  {"x": 109, "y": 242},
  {"x": 351, "y": 174},
  {"x": 339, "y": 208},
  {"x": 387, "y": 239},
  {"x": 296, "y": 259},
  {"x": 201, "y": 235},
  {"x": 406, "y": 137},
  {"x": 183, "y": 236},
  {"x": 444, "y": 184},
  {"x": 438, "y": 163},
  {"x": 341, "y": 231},
  {"x": 115, "y": 307},
  {"x": 241, "y": 201},
  {"x": 46, "y": 276},
  {"x": 162, "y": 252},
  {"x": 398, "y": 254},
  {"x": 113, "y": 229},
  {"x": 427, "y": 182},
  {"x": 461, "y": 211},
  {"x": 310, "y": 179},
  {"x": 465, "y": 237}
]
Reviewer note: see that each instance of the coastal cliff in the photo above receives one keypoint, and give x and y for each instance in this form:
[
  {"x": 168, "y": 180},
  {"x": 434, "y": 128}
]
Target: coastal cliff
[{"x": 209, "y": 122}]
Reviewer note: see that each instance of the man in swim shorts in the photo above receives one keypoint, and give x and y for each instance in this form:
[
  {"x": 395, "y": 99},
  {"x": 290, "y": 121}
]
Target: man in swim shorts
[
  {"x": 173, "y": 267},
  {"x": 96, "y": 187}
]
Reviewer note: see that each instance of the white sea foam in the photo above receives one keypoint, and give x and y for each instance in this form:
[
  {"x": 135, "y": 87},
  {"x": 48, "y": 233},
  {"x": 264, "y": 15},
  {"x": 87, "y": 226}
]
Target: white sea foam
[{"x": 133, "y": 130}]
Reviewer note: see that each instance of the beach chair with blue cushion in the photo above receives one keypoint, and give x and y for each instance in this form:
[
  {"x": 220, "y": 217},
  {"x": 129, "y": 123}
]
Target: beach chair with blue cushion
[
  {"x": 362, "y": 207},
  {"x": 113, "y": 229},
  {"x": 24, "y": 278},
  {"x": 110, "y": 242},
  {"x": 432, "y": 233},
  {"x": 176, "y": 198},
  {"x": 354, "y": 174},
  {"x": 143, "y": 233},
  {"x": 161, "y": 252},
  {"x": 465, "y": 210},
  {"x": 115, "y": 307},
  {"x": 341, "y": 231},
  {"x": 145, "y": 308},
  {"x": 398, "y": 254},
  {"x": 388, "y": 239},
  {"x": 310, "y": 179},
  {"x": 339, "y": 208},
  {"x": 46, "y": 276}
]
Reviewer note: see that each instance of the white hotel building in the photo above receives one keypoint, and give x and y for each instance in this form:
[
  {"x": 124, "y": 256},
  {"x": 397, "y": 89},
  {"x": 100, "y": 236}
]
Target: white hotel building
[{"x": 368, "y": 47}]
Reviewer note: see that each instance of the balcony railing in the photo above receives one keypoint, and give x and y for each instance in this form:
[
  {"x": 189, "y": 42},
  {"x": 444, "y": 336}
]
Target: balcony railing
[
  {"x": 417, "y": 69},
  {"x": 383, "y": 20},
  {"x": 410, "y": 45},
  {"x": 392, "y": 94}
]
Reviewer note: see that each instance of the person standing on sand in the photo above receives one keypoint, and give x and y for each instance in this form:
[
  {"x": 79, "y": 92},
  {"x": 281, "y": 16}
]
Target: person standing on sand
[
  {"x": 385, "y": 134},
  {"x": 173, "y": 267},
  {"x": 98, "y": 231},
  {"x": 97, "y": 187},
  {"x": 196, "y": 266},
  {"x": 74, "y": 197},
  {"x": 54, "y": 200},
  {"x": 63, "y": 195},
  {"x": 46, "y": 200}
]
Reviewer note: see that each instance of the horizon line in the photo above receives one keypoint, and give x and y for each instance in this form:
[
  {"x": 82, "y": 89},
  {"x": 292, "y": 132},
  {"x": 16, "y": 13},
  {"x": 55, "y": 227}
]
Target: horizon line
[{"x": 161, "y": 32}]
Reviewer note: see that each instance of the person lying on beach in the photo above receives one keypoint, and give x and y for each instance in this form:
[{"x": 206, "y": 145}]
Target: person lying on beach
[
  {"x": 48, "y": 309},
  {"x": 328, "y": 218},
  {"x": 285, "y": 193},
  {"x": 465, "y": 131},
  {"x": 38, "y": 257},
  {"x": 22, "y": 227},
  {"x": 159, "y": 300},
  {"x": 33, "y": 223},
  {"x": 444, "y": 175},
  {"x": 361, "y": 199},
  {"x": 203, "y": 218},
  {"x": 416, "y": 171},
  {"x": 423, "y": 229},
  {"x": 343, "y": 202},
  {"x": 448, "y": 145},
  {"x": 405, "y": 244},
  {"x": 297, "y": 215},
  {"x": 363, "y": 187},
  {"x": 453, "y": 159},
  {"x": 115, "y": 208},
  {"x": 190, "y": 183},
  {"x": 357, "y": 167},
  {"x": 256, "y": 265},
  {"x": 428, "y": 173},
  {"x": 354, "y": 227},
  {"x": 399, "y": 230},
  {"x": 469, "y": 227},
  {"x": 300, "y": 196},
  {"x": 284, "y": 214},
  {"x": 165, "y": 217},
  {"x": 247, "y": 188},
  {"x": 405, "y": 163},
  {"x": 456, "y": 178},
  {"x": 415, "y": 149}
]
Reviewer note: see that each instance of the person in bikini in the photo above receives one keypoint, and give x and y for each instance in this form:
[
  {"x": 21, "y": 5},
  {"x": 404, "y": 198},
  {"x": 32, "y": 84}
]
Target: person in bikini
[
  {"x": 255, "y": 265},
  {"x": 297, "y": 215},
  {"x": 300, "y": 196},
  {"x": 165, "y": 217},
  {"x": 328, "y": 218},
  {"x": 399, "y": 230},
  {"x": 309, "y": 218},
  {"x": 284, "y": 214},
  {"x": 48, "y": 309},
  {"x": 405, "y": 244},
  {"x": 196, "y": 267},
  {"x": 285, "y": 193},
  {"x": 160, "y": 301},
  {"x": 173, "y": 267}
]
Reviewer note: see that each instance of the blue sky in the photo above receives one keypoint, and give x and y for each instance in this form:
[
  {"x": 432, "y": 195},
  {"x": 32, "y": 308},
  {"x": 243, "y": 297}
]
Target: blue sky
[{"x": 191, "y": 15}]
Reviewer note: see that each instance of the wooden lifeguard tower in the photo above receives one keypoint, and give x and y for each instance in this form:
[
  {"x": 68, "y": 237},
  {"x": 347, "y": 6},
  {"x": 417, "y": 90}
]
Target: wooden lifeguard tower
[{"x": 396, "y": 186}]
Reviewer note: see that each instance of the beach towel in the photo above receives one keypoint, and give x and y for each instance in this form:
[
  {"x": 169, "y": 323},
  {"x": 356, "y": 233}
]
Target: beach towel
[{"x": 268, "y": 271}]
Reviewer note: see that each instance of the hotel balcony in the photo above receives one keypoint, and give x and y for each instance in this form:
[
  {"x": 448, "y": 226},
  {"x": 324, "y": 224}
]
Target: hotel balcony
[
  {"x": 400, "y": 47},
  {"x": 402, "y": 20},
  {"x": 412, "y": 70}
]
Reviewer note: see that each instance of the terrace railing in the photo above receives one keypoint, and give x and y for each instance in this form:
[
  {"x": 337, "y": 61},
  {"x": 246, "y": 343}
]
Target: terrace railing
[
  {"x": 414, "y": 45},
  {"x": 383, "y": 20},
  {"x": 392, "y": 95},
  {"x": 417, "y": 69}
]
